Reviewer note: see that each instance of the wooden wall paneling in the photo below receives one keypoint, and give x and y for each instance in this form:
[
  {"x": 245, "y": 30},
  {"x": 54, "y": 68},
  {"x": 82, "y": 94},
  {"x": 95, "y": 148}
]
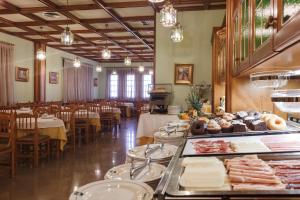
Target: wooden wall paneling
[{"x": 39, "y": 74}]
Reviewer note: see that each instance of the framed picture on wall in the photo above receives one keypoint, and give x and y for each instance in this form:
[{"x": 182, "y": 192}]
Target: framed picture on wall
[
  {"x": 95, "y": 82},
  {"x": 184, "y": 74},
  {"x": 22, "y": 74},
  {"x": 53, "y": 77}
]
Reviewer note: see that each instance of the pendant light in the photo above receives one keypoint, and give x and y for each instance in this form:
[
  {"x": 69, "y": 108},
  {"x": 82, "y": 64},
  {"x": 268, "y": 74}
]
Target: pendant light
[
  {"x": 98, "y": 68},
  {"x": 40, "y": 53},
  {"x": 177, "y": 33},
  {"x": 150, "y": 72},
  {"x": 76, "y": 62},
  {"x": 168, "y": 15},
  {"x": 114, "y": 72},
  {"x": 127, "y": 61},
  {"x": 67, "y": 36},
  {"x": 141, "y": 68},
  {"x": 156, "y": 1},
  {"x": 106, "y": 53}
]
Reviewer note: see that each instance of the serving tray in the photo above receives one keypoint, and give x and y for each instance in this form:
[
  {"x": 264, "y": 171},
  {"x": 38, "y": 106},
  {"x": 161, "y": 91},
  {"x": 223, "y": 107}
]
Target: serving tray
[{"x": 174, "y": 191}]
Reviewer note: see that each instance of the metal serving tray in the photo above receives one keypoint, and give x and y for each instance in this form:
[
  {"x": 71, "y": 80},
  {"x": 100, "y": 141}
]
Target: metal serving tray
[
  {"x": 174, "y": 191},
  {"x": 292, "y": 127},
  {"x": 186, "y": 153}
]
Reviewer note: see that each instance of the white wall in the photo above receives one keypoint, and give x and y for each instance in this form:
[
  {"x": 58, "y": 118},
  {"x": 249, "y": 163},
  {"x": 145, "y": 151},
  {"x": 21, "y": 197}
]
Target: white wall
[
  {"x": 194, "y": 49},
  {"x": 23, "y": 53},
  {"x": 24, "y": 57}
]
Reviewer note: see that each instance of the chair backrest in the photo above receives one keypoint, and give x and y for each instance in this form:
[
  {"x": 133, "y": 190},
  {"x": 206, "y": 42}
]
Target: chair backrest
[
  {"x": 6, "y": 109},
  {"x": 67, "y": 115},
  {"x": 95, "y": 108},
  {"x": 28, "y": 124},
  {"x": 82, "y": 113},
  {"x": 56, "y": 111},
  {"x": 7, "y": 128},
  {"x": 41, "y": 110}
]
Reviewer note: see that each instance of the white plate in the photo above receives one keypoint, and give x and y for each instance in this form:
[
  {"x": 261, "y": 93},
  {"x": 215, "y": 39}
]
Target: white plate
[
  {"x": 113, "y": 190},
  {"x": 173, "y": 136},
  {"x": 180, "y": 128},
  {"x": 167, "y": 152},
  {"x": 122, "y": 172}
]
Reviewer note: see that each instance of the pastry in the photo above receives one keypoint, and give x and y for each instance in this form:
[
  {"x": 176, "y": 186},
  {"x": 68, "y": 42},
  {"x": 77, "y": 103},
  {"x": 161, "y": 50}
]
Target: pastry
[
  {"x": 276, "y": 123},
  {"x": 226, "y": 126},
  {"x": 198, "y": 128},
  {"x": 242, "y": 114},
  {"x": 229, "y": 116},
  {"x": 258, "y": 125},
  {"x": 239, "y": 126},
  {"x": 213, "y": 127},
  {"x": 254, "y": 114},
  {"x": 248, "y": 120},
  {"x": 204, "y": 119}
]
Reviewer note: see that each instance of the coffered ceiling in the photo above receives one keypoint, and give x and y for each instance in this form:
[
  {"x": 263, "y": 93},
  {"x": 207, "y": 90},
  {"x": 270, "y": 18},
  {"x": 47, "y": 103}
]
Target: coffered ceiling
[{"x": 129, "y": 31}]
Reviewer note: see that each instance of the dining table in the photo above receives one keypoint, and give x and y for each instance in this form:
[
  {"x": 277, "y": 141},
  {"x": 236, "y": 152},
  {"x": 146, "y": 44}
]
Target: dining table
[{"x": 52, "y": 127}]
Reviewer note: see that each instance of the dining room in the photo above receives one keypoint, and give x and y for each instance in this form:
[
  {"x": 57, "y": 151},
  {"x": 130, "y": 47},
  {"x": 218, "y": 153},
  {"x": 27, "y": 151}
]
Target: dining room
[{"x": 149, "y": 99}]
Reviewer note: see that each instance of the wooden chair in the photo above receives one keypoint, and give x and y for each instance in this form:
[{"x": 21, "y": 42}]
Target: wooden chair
[
  {"x": 39, "y": 111},
  {"x": 27, "y": 124},
  {"x": 7, "y": 138},
  {"x": 107, "y": 116},
  {"x": 95, "y": 108},
  {"x": 82, "y": 121},
  {"x": 67, "y": 115}
]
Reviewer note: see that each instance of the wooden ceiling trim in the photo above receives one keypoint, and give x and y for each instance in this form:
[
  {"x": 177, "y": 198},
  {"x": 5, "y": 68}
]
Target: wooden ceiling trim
[
  {"x": 118, "y": 19},
  {"x": 109, "y": 44},
  {"x": 89, "y": 21},
  {"x": 78, "y": 20},
  {"x": 129, "y": 4},
  {"x": 44, "y": 22},
  {"x": 118, "y": 30}
]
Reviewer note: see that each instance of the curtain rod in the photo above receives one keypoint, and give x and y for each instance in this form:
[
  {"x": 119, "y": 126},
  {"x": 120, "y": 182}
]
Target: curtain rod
[
  {"x": 126, "y": 67},
  {"x": 7, "y": 43}
]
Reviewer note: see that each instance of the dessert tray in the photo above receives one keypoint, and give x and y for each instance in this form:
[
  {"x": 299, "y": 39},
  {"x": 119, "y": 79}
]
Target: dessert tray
[
  {"x": 242, "y": 145},
  {"x": 113, "y": 190}
]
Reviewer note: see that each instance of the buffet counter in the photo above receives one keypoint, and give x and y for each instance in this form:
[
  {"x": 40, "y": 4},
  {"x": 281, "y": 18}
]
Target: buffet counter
[{"x": 271, "y": 158}]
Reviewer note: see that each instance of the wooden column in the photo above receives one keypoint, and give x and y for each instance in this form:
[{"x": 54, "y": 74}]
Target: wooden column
[{"x": 39, "y": 74}]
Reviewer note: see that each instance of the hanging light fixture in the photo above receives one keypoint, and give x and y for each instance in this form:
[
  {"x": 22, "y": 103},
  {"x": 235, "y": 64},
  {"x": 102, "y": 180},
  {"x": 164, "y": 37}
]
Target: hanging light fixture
[
  {"x": 141, "y": 68},
  {"x": 114, "y": 72},
  {"x": 127, "y": 61},
  {"x": 98, "y": 68},
  {"x": 76, "y": 62},
  {"x": 150, "y": 72},
  {"x": 106, "y": 53},
  {"x": 156, "y": 1},
  {"x": 40, "y": 53},
  {"x": 168, "y": 15},
  {"x": 67, "y": 36},
  {"x": 177, "y": 33}
]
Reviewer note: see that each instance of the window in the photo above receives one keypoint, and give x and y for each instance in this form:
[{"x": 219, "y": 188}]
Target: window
[
  {"x": 113, "y": 86},
  {"x": 130, "y": 86},
  {"x": 147, "y": 80}
]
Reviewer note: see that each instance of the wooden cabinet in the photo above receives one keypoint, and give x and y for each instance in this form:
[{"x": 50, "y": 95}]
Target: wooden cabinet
[{"x": 261, "y": 29}]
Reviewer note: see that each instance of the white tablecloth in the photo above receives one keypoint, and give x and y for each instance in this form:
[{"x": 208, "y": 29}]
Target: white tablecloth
[
  {"x": 150, "y": 123},
  {"x": 47, "y": 123}
]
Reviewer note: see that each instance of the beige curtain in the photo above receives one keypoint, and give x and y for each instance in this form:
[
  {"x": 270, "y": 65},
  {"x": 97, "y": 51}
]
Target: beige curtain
[
  {"x": 78, "y": 82},
  {"x": 6, "y": 73}
]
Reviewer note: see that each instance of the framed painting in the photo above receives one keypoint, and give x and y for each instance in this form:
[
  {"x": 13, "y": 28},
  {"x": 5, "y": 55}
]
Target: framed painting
[
  {"x": 95, "y": 82},
  {"x": 184, "y": 74},
  {"x": 53, "y": 77},
  {"x": 22, "y": 74}
]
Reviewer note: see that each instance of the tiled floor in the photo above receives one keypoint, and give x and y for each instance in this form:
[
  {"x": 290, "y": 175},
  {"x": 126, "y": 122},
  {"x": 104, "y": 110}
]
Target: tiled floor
[{"x": 56, "y": 179}]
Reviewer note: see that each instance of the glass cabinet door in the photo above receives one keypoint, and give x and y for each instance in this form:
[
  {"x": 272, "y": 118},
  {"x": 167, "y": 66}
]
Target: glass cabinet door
[
  {"x": 289, "y": 9},
  {"x": 245, "y": 27},
  {"x": 263, "y": 10},
  {"x": 236, "y": 59}
]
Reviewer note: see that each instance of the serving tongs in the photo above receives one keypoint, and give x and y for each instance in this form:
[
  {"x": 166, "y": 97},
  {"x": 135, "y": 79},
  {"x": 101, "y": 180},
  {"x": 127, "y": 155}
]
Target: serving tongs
[
  {"x": 135, "y": 171},
  {"x": 170, "y": 129},
  {"x": 150, "y": 150}
]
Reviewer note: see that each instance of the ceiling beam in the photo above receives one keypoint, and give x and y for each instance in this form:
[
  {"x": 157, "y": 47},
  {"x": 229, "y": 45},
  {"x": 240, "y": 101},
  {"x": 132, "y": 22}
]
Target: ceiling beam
[
  {"x": 118, "y": 19},
  {"x": 109, "y": 44},
  {"x": 78, "y": 20},
  {"x": 89, "y": 21},
  {"x": 118, "y": 30},
  {"x": 130, "y": 4}
]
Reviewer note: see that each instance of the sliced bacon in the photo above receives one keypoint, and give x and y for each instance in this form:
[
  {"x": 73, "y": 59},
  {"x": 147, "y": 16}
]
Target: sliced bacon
[
  {"x": 252, "y": 175},
  {"x": 243, "y": 186},
  {"x": 266, "y": 173},
  {"x": 251, "y": 168},
  {"x": 245, "y": 179}
]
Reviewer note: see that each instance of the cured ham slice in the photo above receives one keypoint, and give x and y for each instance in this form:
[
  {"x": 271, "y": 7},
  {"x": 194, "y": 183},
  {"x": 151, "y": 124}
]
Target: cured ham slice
[
  {"x": 251, "y": 173},
  {"x": 289, "y": 142},
  {"x": 209, "y": 146}
]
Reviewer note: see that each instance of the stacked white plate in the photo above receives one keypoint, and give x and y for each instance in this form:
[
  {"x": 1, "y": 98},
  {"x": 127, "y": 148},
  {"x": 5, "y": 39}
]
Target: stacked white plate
[
  {"x": 150, "y": 174},
  {"x": 161, "y": 155},
  {"x": 175, "y": 138},
  {"x": 113, "y": 190},
  {"x": 174, "y": 110}
]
